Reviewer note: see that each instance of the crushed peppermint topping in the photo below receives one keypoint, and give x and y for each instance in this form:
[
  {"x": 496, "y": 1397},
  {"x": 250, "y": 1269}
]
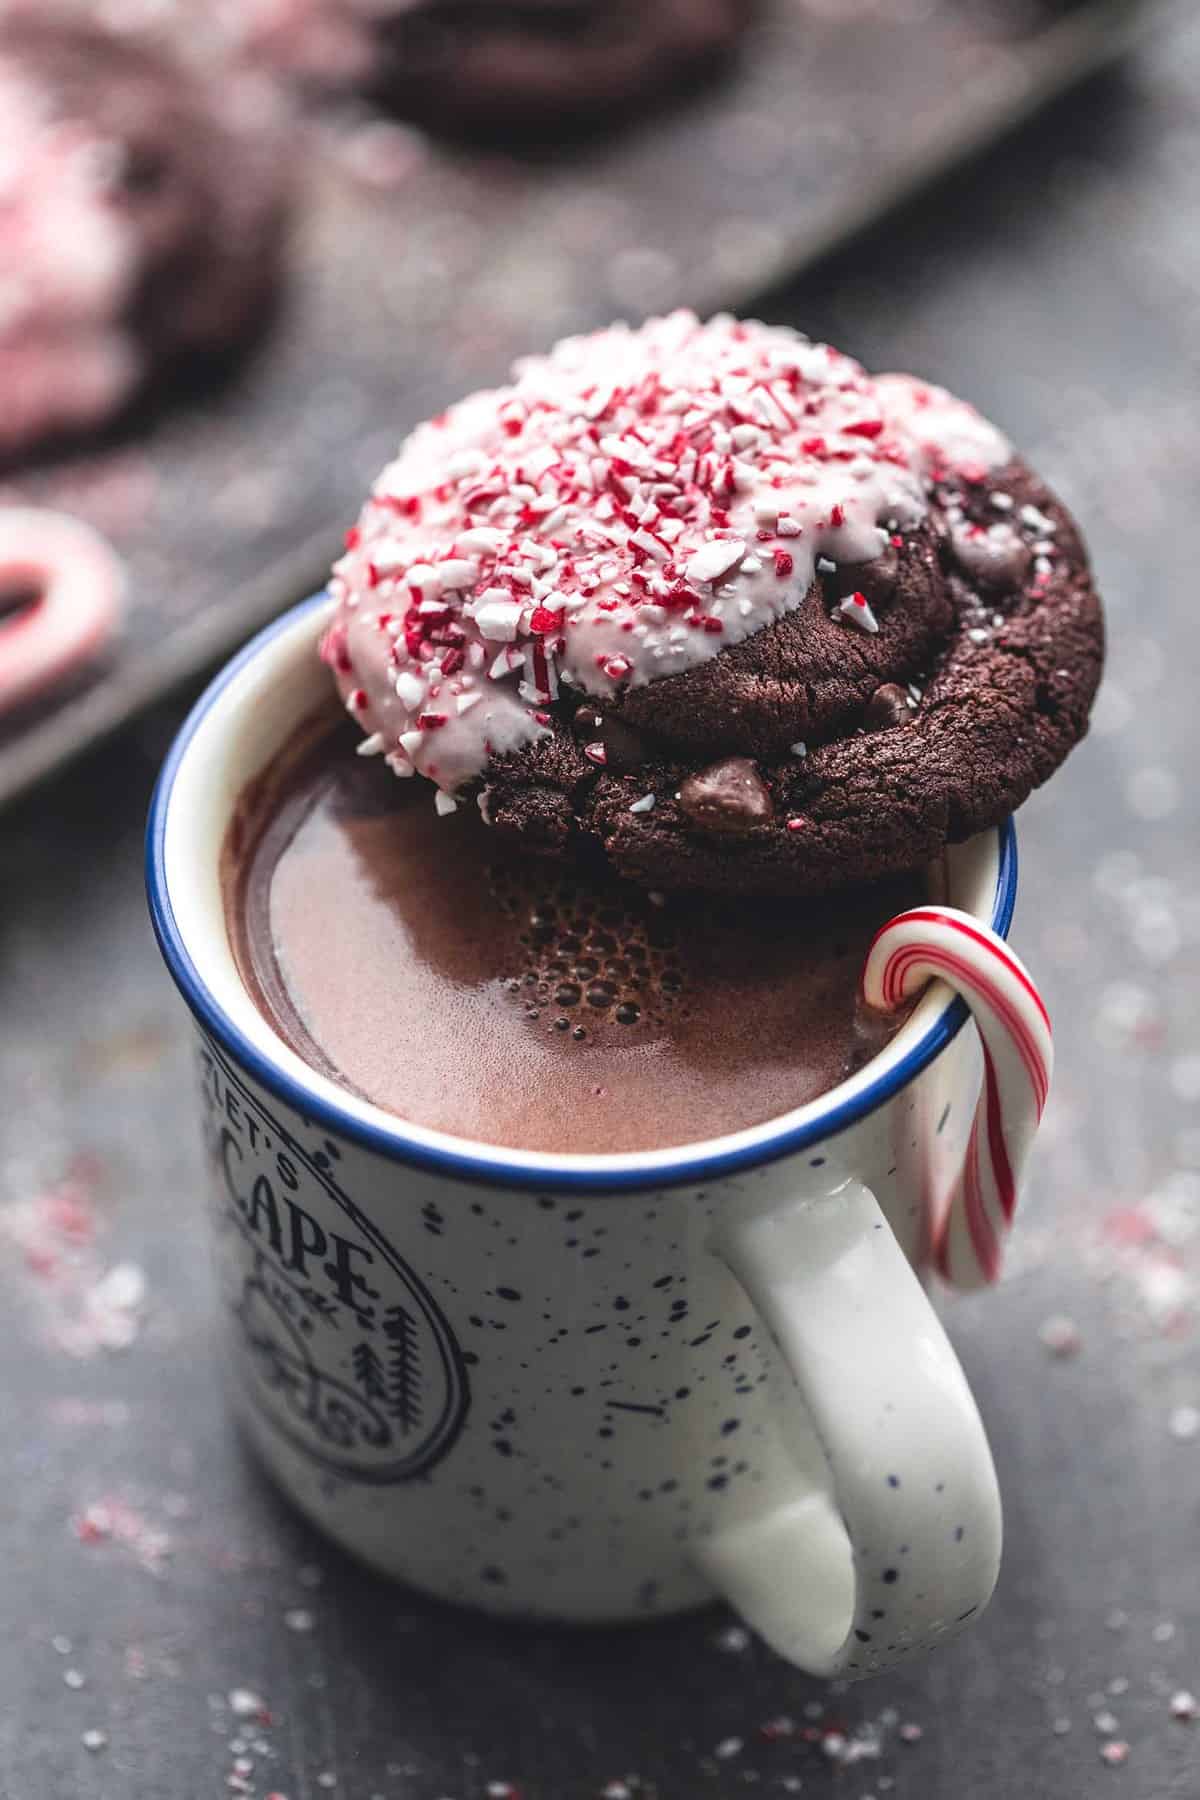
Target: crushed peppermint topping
[
  {"x": 635, "y": 502},
  {"x": 856, "y": 610},
  {"x": 713, "y": 560}
]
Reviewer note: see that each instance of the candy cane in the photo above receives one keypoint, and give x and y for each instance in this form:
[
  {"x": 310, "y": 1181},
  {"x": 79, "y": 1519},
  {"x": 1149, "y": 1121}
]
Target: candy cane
[
  {"x": 938, "y": 942},
  {"x": 77, "y": 585}
]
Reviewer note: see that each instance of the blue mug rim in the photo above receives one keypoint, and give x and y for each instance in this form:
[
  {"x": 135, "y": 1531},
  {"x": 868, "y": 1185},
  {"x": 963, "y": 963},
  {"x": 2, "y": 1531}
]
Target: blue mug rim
[{"x": 488, "y": 1164}]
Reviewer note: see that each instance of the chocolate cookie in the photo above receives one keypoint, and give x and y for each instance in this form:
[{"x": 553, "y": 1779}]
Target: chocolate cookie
[
  {"x": 890, "y": 770},
  {"x": 715, "y": 605},
  {"x": 140, "y": 221},
  {"x": 523, "y": 67}
]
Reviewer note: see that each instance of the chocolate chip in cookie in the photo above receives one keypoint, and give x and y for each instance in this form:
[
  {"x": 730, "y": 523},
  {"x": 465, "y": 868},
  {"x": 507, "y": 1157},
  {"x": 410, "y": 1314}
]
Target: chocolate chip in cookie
[
  {"x": 995, "y": 558},
  {"x": 728, "y": 799},
  {"x": 609, "y": 741},
  {"x": 874, "y": 580},
  {"x": 889, "y": 705}
]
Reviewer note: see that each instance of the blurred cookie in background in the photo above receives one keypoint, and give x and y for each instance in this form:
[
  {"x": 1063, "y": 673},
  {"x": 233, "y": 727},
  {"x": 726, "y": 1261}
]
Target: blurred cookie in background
[
  {"x": 142, "y": 206},
  {"x": 514, "y": 69}
]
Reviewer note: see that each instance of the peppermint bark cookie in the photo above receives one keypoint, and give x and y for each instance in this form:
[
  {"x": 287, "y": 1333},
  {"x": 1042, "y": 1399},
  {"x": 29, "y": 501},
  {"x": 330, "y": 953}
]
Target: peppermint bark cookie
[
  {"x": 713, "y": 604},
  {"x": 140, "y": 221}
]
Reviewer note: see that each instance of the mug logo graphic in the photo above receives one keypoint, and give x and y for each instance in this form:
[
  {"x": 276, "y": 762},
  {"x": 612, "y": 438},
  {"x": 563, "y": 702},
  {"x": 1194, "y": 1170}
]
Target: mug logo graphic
[{"x": 346, "y": 1352}]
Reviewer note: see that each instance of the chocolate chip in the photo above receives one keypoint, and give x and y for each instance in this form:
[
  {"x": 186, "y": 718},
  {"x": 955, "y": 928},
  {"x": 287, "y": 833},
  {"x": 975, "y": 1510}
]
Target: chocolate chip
[
  {"x": 995, "y": 558},
  {"x": 728, "y": 798},
  {"x": 624, "y": 748},
  {"x": 875, "y": 580},
  {"x": 889, "y": 705}
]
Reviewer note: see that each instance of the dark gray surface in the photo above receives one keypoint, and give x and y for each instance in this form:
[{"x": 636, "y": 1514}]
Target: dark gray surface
[{"x": 1060, "y": 288}]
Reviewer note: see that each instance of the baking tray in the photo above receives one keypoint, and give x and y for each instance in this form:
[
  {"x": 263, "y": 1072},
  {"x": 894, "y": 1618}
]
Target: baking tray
[{"x": 418, "y": 270}]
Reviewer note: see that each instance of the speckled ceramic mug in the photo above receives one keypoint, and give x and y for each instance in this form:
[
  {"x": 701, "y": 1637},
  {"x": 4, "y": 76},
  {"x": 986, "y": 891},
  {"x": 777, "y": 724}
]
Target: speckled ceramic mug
[{"x": 590, "y": 1388}]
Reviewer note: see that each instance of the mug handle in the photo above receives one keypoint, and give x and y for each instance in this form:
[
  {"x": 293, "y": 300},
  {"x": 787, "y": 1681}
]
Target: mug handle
[{"x": 907, "y": 1548}]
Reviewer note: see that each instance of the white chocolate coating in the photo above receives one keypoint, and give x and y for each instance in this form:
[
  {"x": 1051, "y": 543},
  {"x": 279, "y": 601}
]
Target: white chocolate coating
[{"x": 635, "y": 502}]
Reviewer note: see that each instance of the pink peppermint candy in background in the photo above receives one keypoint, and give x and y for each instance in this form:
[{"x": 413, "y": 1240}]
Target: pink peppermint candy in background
[
  {"x": 941, "y": 943},
  {"x": 76, "y": 586}
]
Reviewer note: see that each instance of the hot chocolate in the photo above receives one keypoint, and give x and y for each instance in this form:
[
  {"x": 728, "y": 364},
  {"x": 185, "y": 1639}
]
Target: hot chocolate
[{"x": 429, "y": 968}]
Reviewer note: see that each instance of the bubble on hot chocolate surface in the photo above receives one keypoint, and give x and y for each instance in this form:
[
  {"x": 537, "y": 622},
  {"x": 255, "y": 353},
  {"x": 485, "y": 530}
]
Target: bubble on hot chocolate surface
[
  {"x": 710, "y": 601},
  {"x": 599, "y": 957},
  {"x": 140, "y": 216}
]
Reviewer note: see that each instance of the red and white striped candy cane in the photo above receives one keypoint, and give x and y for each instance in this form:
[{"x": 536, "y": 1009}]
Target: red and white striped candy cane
[
  {"x": 76, "y": 582},
  {"x": 1018, "y": 1057}
]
